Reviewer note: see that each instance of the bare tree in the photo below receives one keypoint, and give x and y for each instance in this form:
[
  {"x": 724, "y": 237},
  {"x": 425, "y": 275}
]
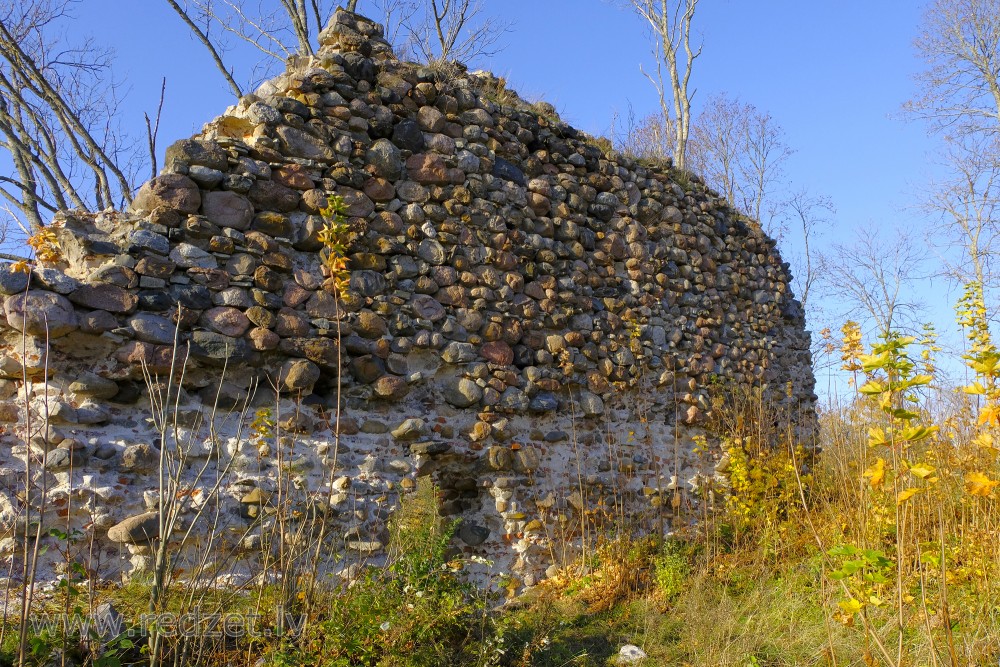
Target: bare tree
[
  {"x": 741, "y": 151},
  {"x": 275, "y": 31},
  {"x": 670, "y": 22},
  {"x": 456, "y": 30},
  {"x": 872, "y": 279},
  {"x": 808, "y": 213},
  {"x": 58, "y": 105},
  {"x": 968, "y": 205},
  {"x": 649, "y": 138},
  {"x": 960, "y": 45}
]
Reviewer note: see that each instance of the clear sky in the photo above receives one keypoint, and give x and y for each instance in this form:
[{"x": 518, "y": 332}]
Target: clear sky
[{"x": 834, "y": 75}]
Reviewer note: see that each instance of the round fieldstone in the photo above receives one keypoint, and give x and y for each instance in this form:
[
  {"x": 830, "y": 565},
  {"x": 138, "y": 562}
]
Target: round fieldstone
[
  {"x": 384, "y": 157},
  {"x": 497, "y": 352},
  {"x": 168, "y": 192},
  {"x": 391, "y": 387},
  {"x": 90, "y": 385},
  {"x": 197, "y": 152},
  {"x": 431, "y": 251},
  {"x": 226, "y": 320},
  {"x": 140, "y": 458},
  {"x": 38, "y": 313},
  {"x": 473, "y": 534},
  {"x": 299, "y": 375},
  {"x": 227, "y": 209},
  {"x": 408, "y": 136},
  {"x": 153, "y": 328},
  {"x": 54, "y": 280},
  {"x": 138, "y": 529},
  {"x": 410, "y": 429},
  {"x": 462, "y": 393},
  {"x": 11, "y": 281},
  {"x": 591, "y": 405},
  {"x": 189, "y": 256}
]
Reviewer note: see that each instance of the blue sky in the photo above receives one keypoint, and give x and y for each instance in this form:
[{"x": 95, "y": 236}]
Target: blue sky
[{"x": 834, "y": 75}]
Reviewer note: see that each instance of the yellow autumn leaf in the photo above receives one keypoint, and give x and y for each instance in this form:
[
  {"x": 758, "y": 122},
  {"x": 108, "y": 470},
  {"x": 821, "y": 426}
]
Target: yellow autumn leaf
[
  {"x": 876, "y": 473},
  {"x": 990, "y": 415},
  {"x": 978, "y": 484},
  {"x": 906, "y": 494},
  {"x": 876, "y": 437},
  {"x": 851, "y": 606},
  {"x": 917, "y": 433},
  {"x": 984, "y": 440},
  {"x": 975, "y": 389},
  {"x": 922, "y": 470}
]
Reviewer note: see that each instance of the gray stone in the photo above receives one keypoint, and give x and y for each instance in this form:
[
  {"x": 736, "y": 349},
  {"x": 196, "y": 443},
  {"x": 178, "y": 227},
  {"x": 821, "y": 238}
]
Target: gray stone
[
  {"x": 205, "y": 177},
  {"x": 168, "y": 192},
  {"x": 299, "y": 143},
  {"x": 141, "y": 459},
  {"x": 299, "y": 375},
  {"x": 153, "y": 328},
  {"x": 189, "y": 256},
  {"x": 90, "y": 385},
  {"x": 462, "y": 393},
  {"x": 227, "y": 209},
  {"x": 111, "y": 298},
  {"x": 367, "y": 283},
  {"x": 11, "y": 281},
  {"x": 197, "y": 152},
  {"x": 431, "y": 252},
  {"x": 544, "y": 402},
  {"x": 591, "y": 404},
  {"x": 473, "y": 534},
  {"x": 459, "y": 353},
  {"x": 514, "y": 400},
  {"x": 408, "y": 136},
  {"x": 212, "y": 346},
  {"x": 143, "y": 239},
  {"x": 410, "y": 429},
  {"x": 138, "y": 529},
  {"x": 385, "y": 158}
]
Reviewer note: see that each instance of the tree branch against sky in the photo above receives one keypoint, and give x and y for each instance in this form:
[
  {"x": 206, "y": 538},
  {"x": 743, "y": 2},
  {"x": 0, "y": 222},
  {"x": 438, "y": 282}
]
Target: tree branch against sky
[
  {"x": 457, "y": 30},
  {"x": 741, "y": 151},
  {"x": 670, "y": 23},
  {"x": 872, "y": 278},
  {"x": 960, "y": 46},
  {"x": 58, "y": 119}
]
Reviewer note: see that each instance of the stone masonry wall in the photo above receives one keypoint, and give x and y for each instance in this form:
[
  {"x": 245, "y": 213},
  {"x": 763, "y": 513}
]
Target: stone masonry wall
[{"x": 533, "y": 321}]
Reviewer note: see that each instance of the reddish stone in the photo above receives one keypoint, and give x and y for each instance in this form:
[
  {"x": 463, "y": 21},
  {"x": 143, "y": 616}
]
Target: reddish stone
[
  {"x": 379, "y": 189},
  {"x": 293, "y": 176},
  {"x": 226, "y": 320},
  {"x": 497, "y": 352},
  {"x": 155, "y": 267},
  {"x": 291, "y": 323},
  {"x": 264, "y": 339},
  {"x": 157, "y": 358},
  {"x": 295, "y": 295},
  {"x": 391, "y": 387}
]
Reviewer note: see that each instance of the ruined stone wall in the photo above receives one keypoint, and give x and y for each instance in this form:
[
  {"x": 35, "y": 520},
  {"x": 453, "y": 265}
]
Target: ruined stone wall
[{"x": 537, "y": 323}]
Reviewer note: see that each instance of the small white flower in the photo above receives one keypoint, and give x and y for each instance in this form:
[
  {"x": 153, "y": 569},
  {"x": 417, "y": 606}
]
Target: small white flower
[{"x": 385, "y": 627}]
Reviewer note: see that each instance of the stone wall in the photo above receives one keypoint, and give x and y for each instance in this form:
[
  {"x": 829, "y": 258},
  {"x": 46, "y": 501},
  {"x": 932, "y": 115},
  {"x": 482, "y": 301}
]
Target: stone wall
[{"x": 537, "y": 323}]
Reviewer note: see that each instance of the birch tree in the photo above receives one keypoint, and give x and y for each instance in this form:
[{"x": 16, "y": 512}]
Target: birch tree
[{"x": 670, "y": 24}]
